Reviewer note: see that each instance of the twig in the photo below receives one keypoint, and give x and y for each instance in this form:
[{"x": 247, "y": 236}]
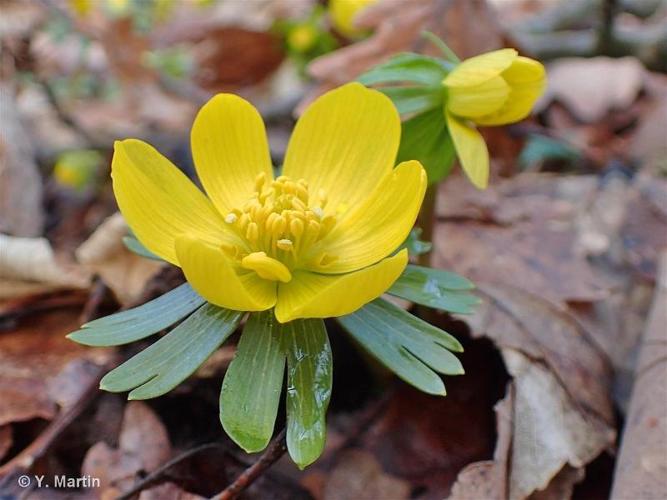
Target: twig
[
  {"x": 25, "y": 309},
  {"x": 606, "y": 30},
  {"x": 275, "y": 450},
  {"x": 159, "y": 473},
  {"x": 97, "y": 294},
  {"x": 426, "y": 221}
]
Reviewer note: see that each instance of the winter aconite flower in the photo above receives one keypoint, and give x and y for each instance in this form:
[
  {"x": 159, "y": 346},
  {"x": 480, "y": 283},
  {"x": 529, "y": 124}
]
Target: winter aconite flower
[
  {"x": 495, "y": 88},
  {"x": 343, "y": 13},
  {"x": 317, "y": 241}
]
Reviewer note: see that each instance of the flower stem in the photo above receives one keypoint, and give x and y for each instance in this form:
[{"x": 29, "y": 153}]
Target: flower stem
[
  {"x": 426, "y": 221},
  {"x": 444, "y": 48}
]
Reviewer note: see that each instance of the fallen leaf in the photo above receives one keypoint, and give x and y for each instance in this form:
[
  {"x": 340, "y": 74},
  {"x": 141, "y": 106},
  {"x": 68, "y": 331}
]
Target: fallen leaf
[
  {"x": 591, "y": 87},
  {"x": 143, "y": 445},
  {"x": 42, "y": 371},
  {"x": 105, "y": 254},
  {"x": 641, "y": 470},
  {"x": 168, "y": 490},
  {"x": 549, "y": 431},
  {"x": 562, "y": 416},
  {"x": 29, "y": 266},
  {"x": 644, "y": 231},
  {"x": 521, "y": 232},
  {"x": 230, "y": 58},
  {"x": 359, "y": 475}
]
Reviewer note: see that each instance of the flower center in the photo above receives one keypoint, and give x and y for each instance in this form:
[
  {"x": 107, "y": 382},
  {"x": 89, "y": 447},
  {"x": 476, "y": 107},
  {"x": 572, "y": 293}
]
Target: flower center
[{"x": 279, "y": 226}]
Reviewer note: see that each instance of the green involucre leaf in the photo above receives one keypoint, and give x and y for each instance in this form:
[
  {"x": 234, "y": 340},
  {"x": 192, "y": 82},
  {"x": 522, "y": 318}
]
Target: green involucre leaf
[
  {"x": 407, "y": 67},
  {"x": 309, "y": 379},
  {"x": 165, "y": 364},
  {"x": 135, "y": 246},
  {"x": 253, "y": 382},
  {"x": 405, "y": 344},
  {"x": 134, "y": 324},
  {"x": 435, "y": 288},
  {"x": 540, "y": 149},
  {"x": 410, "y": 100},
  {"x": 425, "y": 138},
  {"x": 414, "y": 245}
]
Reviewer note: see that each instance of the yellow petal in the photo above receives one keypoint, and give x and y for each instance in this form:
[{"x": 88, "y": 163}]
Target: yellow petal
[
  {"x": 345, "y": 143},
  {"x": 376, "y": 228},
  {"x": 471, "y": 151},
  {"x": 311, "y": 295},
  {"x": 158, "y": 201},
  {"x": 527, "y": 80},
  {"x": 478, "y": 100},
  {"x": 479, "y": 69},
  {"x": 220, "y": 281},
  {"x": 230, "y": 150}
]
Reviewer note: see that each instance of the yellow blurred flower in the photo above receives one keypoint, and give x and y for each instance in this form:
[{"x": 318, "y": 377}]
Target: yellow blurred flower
[
  {"x": 76, "y": 169},
  {"x": 81, "y": 7},
  {"x": 343, "y": 12},
  {"x": 314, "y": 242},
  {"x": 301, "y": 38},
  {"x": 495, "y": 88},
  {"x": 84, "y": 7}
]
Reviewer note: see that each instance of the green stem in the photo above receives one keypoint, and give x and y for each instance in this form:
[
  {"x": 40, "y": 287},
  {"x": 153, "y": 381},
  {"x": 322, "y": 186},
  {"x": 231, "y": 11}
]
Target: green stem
[
  {"x": 444, "y": 48},
  {"x": 426, "y": 220}
]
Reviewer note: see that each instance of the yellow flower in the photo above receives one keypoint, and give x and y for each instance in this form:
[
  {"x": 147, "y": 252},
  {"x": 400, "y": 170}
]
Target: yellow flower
[
  {"x": 343, "y": 12},
  {"x": 496, "y": 88},
  {"x": 302, "y": 38},
  {"x": 314, "y": 242}
]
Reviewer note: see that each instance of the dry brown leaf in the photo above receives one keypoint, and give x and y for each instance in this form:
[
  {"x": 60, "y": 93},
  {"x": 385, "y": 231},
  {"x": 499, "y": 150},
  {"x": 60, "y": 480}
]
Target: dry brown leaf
[
  {"x": 562, "y": 416},
  {"x": 143, "y": 445},
  {"x": 641, "y": 470},
  {"x": 522, "y": 232},
  {"x": 645, "y": 228},
  {"x": 591, "y": 87},
  {"x": 29, "y": 265},
  {"x": 168, "y": 490},
  {"x": 549, "y": 431},
  {"x": 230, "y": 58},
  {"x": 104, "y": 254},
  {"x": 41, "y": 369},
  {"x": 21, "y": 212},
  {"x": 359, "y": 475}
]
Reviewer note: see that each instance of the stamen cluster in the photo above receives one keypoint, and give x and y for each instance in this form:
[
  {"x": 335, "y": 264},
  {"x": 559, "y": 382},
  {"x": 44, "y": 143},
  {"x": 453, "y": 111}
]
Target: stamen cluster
[{"x": 279, "y": 227}]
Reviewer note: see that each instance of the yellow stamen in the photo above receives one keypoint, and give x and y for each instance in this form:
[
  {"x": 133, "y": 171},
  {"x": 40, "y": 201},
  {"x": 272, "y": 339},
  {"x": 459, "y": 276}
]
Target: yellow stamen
[
  {"x": 252, "y": 233},
  {"x": 279, "y": 226},
  {"x": 285, "y": 244}
]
